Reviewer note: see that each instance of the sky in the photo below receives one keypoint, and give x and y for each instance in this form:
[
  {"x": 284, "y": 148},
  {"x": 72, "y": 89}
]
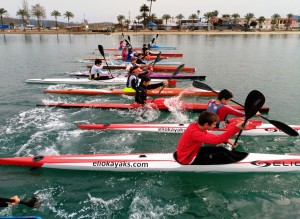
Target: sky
[{"x": 96, "y": 11}]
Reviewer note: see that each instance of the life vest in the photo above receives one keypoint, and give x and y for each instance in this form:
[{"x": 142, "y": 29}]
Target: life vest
[
  {"x": 130, "y": 78},
  {"x": 214, "y": 108}
]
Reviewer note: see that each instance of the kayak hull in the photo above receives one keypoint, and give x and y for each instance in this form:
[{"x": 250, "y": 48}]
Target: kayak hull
[
  {"x": 165, "y": 68},
  {"x": 153, "y": 75},
  {"x": 260, "y": 130},
  {"x": 146, "y": 162},
  {"x": 154, "y": 92},
  {"x": 159, "y": 104},
  {"x": 83, "y": 81}
]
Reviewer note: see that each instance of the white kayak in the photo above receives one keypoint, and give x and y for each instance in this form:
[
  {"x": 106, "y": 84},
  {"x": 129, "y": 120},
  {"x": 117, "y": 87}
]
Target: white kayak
[
  {"x": 250, "y": 162},
  {"x": 121, "y": 80},
  {"x": 254, "y": 128}
]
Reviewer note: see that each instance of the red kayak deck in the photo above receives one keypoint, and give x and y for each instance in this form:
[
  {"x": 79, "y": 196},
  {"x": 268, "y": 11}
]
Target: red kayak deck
[
  {"x": 121, "y": 58},
  {"x": 168, "y": 68},
  {"x": 164, "y": 92},
  {"x": 157, "y": 104}
]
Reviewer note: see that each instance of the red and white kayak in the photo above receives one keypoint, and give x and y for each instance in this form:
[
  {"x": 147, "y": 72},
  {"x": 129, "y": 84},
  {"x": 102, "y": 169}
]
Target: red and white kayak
[
  {"x": 121, "y": 58},
  {"x": 146, "y": 162},
  {"x": 253, "y": 128},
  {"x": 162, "y": 54},
  {"x": 159, "y": 68},
  {"x": 121, "y": 80},
  {"x": 158, "y": 103},
  {"x": 154, "y": 92},
  {"x": 153, "y": 75}
]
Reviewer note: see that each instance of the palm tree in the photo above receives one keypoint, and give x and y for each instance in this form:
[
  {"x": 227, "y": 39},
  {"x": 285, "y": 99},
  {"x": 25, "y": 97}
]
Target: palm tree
[
  {"x": 68, "y": 14},
  {"x": 23, "y": 14},
  {"x": 139, "y": 17},
  {"x": 208, "y": 17},
  {"x": 2, "y": 12},
  {"x": 288, "y": 23},
  {"x": 236, "y": 18},
  {"x": 25, "y": 7},
  {"x": 144, "y": 9},
  {"x": 39, "y": 12},
  {"x": 193, "y": 17},
  {"x": 248, "y": 17},
  {"x": 120, "y": 19},
  {"x": 261, "y": 20},
  {"x": 179, "y": 18},
  {"x": 166, "y": 17},
  {"x": 55, "y": 14},
  {"x": 127, "y": 22},
  {"x": 151, "y": 7},
  {"x": 274, "y": 21}
]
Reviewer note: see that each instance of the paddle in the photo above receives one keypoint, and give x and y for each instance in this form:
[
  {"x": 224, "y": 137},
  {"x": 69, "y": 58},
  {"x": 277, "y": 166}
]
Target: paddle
[
  {"x": 31, "y": 202},
  {"x": 179, "y": 68},
  {"x": 156, "y": 38},
  {"x": 281, "y": 126},
  {"x": 101, "y": 50},
  {"x": 254, "y": 102},
  {"x": 156, "y": 60}
]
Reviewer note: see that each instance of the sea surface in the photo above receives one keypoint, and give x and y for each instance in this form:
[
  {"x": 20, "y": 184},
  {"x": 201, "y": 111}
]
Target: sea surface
[{"x": 240, "y": 63}]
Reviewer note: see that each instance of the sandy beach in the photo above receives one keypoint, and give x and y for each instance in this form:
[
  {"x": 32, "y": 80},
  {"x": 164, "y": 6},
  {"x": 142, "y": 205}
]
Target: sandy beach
[{"x": 162, "y": 32}]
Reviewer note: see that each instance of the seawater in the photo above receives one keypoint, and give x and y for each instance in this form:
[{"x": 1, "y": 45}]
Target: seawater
[{"x": 240, "y": 63}]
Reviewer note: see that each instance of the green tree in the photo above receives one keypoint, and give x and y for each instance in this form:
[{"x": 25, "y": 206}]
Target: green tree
[
  {"x": 150, "y": 7},
  {"x": 139, "y": 17},
  {"x": 39, "y": 12},
  {"x": 193, "y": 17},
  {"x": 289, "y": 22},
  {"x": 56, "y": 14},
  {"x": 236, "y": 18},
  {"x": 248, "y": 17},
  {"x": 208, "y": 17},
  {"x": 166, "y": 17},
  {"x": 274, "y": 21},
  {"x": 120, "y": 19},
  {"x": 179, "y": 17},
  {"x": 22, "y": 13},
  {"x": 261, "y": 20},
  {"x": 127, "y": 22},
  {"x": 68, "y": 15},
  {"x": 144, "y": 9},
  {"x": 2, "y": 12}
]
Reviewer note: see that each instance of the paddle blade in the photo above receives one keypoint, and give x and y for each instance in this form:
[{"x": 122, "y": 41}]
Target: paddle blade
[
  {"x": 200, "y": 85},
  {"x": 31, "y": 202},
  {"x": 152, "y": 41},
  {"x": 283, "y": 127},
  {"x": 157, "y": 59},
  {"x": 179, "y": 69},
  {"x": 127, "y": 43},
  {"x": 101, "y": 50},
  {"x": 254, "y": 102},
  {"x": 129, "y": 38}
]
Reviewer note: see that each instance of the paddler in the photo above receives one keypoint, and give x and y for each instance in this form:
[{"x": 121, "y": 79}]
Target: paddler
[
  {"x": 141, "y": 90},
  {"x": 220, "y": 107},
  {"x": 133, "y": 79},
  {"x": 190, "y": 150},
  {"x": 96, "y": 72},
  {"x": 15, "y": 199}
]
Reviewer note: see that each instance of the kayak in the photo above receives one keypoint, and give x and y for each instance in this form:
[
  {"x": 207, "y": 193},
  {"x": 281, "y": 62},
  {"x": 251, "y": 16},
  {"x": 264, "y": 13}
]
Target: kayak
[
  {"x": 158, "y": 103},
  {"x": 253, "y": 128},
  {"x": 121, "y": 80},
  {"x": 146, "y": 162},
  {"x": 154, "y": 75},
  {"x": 154, "y": 92},
  {"x": 121, "y": 58},
  {"x": 164, "y": 54},
  {"x": 155, "y": 68},
  {"x": 152, "y": 47}
]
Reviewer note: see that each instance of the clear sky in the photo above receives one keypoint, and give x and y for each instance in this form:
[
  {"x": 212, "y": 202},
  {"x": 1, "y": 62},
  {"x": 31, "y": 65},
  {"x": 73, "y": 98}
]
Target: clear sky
[{"x": 108, "y": 10}]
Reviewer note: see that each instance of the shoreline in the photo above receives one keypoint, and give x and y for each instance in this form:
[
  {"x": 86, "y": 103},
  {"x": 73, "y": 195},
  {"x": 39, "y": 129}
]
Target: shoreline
[{"x": 169, "y": 32}]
